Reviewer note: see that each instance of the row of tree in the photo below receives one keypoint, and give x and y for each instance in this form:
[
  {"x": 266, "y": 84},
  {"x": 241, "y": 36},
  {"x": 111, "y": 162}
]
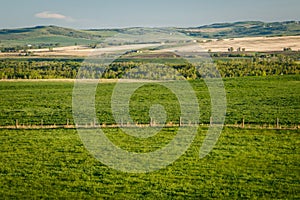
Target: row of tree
[{"x": 20, "y": 69}]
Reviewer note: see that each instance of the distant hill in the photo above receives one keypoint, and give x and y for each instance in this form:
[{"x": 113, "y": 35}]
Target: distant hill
[
  {"x": 51, "y": 36},
  {"x": 47, "y": 36},
  {"x": 245, "y": 29}
]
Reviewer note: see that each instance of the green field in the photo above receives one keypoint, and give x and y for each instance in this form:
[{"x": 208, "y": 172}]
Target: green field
[
  {"x": 244, "y": 164},
  {"x": 256, "y": 164},
  {"x": 259, "y": 100}
]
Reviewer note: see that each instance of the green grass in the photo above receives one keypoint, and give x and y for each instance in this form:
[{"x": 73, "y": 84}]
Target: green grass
[
  {"x": 53, "y": 163},
  {"x": 259, "y": 100},
  {"x": 256, "y": 164},
  {"x": 62, "y": 40},
  {"x": 31, "y": 102},
  {"x": 262, "y": 100}
]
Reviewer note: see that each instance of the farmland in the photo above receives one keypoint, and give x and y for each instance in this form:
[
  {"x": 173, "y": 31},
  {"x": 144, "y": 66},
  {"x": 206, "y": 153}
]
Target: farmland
[
  {"x": 259, "y": 100},
  {"x": 53, "y": 36},
  {"x": 245, "y": 163},
  {"x": 257, "y": 156}
]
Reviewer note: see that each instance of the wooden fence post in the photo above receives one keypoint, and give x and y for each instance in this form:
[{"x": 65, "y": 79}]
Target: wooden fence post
[
  {"x": 210, "y": 121},
  {"x": 16, "y": 123},
  {"x": 243, "y": 123},
  {"x": 277, "y": 122}
]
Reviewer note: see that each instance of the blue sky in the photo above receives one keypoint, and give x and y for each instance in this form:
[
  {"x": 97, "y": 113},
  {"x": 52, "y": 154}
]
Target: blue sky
[{"x": 148, "y": 13}]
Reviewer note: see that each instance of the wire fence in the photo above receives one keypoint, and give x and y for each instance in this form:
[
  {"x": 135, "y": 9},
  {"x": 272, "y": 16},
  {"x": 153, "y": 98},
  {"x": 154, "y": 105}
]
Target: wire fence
[{"x": 94, "y": 124}]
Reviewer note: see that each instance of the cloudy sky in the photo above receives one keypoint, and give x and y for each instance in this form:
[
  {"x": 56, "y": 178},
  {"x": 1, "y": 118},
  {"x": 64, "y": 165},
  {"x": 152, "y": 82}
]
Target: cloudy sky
[{"x": 147, "y": 13}]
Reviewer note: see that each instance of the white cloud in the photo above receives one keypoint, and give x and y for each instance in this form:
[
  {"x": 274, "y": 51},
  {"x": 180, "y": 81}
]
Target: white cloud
[{"x": 52, "y": 15}]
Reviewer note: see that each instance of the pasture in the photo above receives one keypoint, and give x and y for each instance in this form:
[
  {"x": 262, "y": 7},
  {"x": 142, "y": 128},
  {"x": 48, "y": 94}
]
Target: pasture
[
  {"x": 259, "y": 100},
  {"x": 245, "y": 163}
]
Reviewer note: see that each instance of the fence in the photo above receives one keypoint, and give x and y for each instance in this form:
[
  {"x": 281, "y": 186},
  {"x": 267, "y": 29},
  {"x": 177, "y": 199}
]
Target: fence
[{"x": 152, "y": 123}]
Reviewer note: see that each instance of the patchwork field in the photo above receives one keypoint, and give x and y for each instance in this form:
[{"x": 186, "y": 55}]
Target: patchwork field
[
  {"x": 252, "y": 44},
  {"x": 255, "y": 44}
]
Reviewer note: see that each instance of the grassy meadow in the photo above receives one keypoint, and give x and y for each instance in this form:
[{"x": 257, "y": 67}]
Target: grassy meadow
[
  {"x": 256, "y": 164},
  {"x": 244, "y": 164},
  {"x": 259, "y": 100}
]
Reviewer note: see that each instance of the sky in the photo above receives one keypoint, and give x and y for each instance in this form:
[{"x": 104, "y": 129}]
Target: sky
[{"x": 86, "y": 14}]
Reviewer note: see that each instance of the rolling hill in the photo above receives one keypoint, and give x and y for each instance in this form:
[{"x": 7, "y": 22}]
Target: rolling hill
[
  {"x": 53, "y": 36},
  {"x": 245, "y": 29}
]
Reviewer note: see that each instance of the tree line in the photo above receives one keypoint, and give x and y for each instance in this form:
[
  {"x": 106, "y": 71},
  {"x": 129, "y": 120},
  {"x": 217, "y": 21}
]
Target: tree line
[{"x": 233, "y": 67}]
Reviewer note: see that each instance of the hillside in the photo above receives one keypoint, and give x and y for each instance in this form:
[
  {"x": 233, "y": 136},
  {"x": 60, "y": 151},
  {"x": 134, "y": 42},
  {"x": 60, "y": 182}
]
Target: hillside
[
  {"x": 53, "y": 36},
  {"x": 50, "y": 36},
  {"x": 245, "y": 29}
]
